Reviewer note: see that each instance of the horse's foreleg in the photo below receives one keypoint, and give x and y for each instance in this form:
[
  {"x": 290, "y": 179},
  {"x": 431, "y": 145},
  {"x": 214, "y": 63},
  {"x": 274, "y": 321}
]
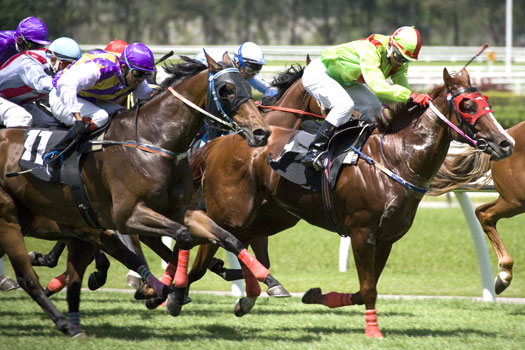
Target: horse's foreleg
[
  {"x": 114, "y": 246},
  {"x": 200, "y": 224},
  {"x": 488, "y": 215},
  {"x": 364, "y": 257},
  {"x": 50, "y": 259},
  {"x": 12, "y": 241},
  {"x": 80, "y": 255}
]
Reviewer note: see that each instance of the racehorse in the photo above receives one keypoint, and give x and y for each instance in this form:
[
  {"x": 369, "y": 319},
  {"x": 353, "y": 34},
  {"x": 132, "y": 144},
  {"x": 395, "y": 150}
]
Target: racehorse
[
  {"x": 507, "y": 175},
  {"x": 245, "y": 196},
  {"x": 140, "y": 183}
]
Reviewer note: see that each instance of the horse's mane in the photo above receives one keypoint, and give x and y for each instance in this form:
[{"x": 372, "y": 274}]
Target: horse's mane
[
  {"x": 401, "y": 117},
  {"x": 182, "y": 70},
  {"x": 283, "y": 81}
]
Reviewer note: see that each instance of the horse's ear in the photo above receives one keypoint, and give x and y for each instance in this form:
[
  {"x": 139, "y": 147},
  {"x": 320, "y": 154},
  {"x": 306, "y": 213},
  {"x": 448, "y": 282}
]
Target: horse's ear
[
  {"x": 449, "y": 82},
  {"x": 213, "y": 66},
  {"x": 226, "y": 59},
  {"x": 464, "y": 75},
  {"x": 308, "y": 59}
]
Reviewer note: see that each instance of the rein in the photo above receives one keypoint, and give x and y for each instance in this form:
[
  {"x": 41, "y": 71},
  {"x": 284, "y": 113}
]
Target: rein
[
  {"x": 449, "y": 123},
  {"x": 290, "y": 110},
  {"x": 233, "y": 126}
]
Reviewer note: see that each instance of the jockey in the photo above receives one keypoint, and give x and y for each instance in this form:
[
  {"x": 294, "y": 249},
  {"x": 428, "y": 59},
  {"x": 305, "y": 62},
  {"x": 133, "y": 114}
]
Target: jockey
[
  {"x": 88, "y": 91},
  {"x": 27, "y": 77},
  {"x": 249, "y": 59},
  {"x": 116, "y": 46},
  {"x": 353, "y": 75},
  {"x": 30, "y": 34}
]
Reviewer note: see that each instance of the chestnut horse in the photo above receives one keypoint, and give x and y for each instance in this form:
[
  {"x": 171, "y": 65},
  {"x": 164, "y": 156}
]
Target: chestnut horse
[
  {"x": 132, "y": 191},
  {"x": 245, "y": 196},
  {"x": 467, "y": 167}
]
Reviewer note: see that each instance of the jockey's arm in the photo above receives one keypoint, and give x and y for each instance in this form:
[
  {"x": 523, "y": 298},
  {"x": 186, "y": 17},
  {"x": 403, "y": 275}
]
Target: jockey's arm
[
  {"x": 376, "y": 81},
  {"x": 261, "y": 85},
  {"x": 33, "y": 75},
  {"x": 73, "y": 80}
]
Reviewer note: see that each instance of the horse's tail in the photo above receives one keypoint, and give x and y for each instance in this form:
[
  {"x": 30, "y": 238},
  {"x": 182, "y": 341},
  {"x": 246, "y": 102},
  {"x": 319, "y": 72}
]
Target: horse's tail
[
  {"x": 460, "y": 170},
  {"x": 198, "y": 164}
]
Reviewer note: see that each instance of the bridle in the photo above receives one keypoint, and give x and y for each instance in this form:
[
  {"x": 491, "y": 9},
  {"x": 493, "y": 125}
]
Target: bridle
[{"x": 465, "y": 120}]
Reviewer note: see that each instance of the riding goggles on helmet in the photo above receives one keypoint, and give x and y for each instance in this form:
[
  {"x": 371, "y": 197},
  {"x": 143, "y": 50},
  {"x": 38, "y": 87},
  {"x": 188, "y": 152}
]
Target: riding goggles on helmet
[
  {"x": 137, "y": 73},
  {"x": 31, "y": 45},
  {"x": 251, "y": 69},
  {"x": 398, "y": 56}
]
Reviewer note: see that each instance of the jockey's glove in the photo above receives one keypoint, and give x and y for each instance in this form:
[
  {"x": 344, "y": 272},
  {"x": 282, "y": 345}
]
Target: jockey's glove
[{"x": 420, "y": 99}]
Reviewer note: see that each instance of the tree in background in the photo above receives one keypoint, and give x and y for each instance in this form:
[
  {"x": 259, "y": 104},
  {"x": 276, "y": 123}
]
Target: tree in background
[{"x": 269, "y": 22}]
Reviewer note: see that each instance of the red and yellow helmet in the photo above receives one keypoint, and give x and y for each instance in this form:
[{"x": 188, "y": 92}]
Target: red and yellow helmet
[{"x": 408, "y": 41}]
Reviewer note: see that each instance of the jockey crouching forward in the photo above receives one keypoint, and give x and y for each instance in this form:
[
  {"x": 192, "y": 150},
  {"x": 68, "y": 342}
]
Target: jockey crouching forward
[
  {"x": 28, "y": 77},
  {"x": 88, "y": 91},
  {"x": 249, "y": 59},
  {"x": 353, "y": 75}
]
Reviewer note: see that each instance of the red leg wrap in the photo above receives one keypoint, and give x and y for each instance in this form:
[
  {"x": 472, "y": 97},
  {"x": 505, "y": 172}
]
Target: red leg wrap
[
  {"x": 258, "y": 270},
  {"x": 371, "y": 328},
  {"x": 252, "y": 285},
  {"x": 335, "y": 299},
  {"x": 57, "y": 284},
  {"x": 167, "y": 278},
  {"x": 181, "y": 276}
]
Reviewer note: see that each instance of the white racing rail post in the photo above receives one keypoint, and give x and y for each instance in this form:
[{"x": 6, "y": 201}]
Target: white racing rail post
[
  {"x": 477, "y": 234},
  {"x": 237, "y": 285}
]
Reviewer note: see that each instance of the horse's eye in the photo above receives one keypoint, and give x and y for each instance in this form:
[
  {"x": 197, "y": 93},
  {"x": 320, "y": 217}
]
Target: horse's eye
[
  {"x": 227, "y": 91},
  {"x": 468, "y": 106}
]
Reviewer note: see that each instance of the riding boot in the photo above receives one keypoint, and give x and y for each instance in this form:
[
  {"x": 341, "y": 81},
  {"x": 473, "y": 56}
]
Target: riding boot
[
  {"x": 313, "y": 157},
  {"x": 73, "y": 136}
]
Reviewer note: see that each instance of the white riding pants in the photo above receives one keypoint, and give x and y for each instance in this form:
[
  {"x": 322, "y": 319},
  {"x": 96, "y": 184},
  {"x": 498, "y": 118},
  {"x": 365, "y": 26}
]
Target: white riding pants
[
  {"x": 99, "y": 112},
  {"x": 13, "y": 115},
  {"x": 340, "y": 100}
]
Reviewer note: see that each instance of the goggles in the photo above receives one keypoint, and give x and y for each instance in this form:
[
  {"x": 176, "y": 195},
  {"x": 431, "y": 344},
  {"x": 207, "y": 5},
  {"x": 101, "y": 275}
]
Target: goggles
[
  {"x": 251, "y": 69},
  {"x": 397, "y": 55},
  {"x": 30, "y": 44},
  {"x": 140, "y": 74}
]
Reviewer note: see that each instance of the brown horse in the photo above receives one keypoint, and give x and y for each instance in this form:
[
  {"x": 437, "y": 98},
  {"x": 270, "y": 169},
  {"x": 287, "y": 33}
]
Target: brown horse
[
  {"x": 245, "y": 196},
  {"x": 464, "y": 168},
  {"x": 131, "y": 191}
]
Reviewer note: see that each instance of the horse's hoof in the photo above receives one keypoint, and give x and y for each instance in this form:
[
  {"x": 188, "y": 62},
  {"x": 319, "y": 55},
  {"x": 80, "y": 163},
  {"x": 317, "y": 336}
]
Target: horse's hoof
[
  {"x": 173, "y": 306},
  {"x": 96, "y": 280},
  {"x": 36, "y": 258},
  {"x": 243, "y": 306},
  {"x": 500, "y": 284},
  {"x": 81, "y": 335},
  {"x": 278, "y": 292},
  {"x": 7, "y": 284},
  {"x": 145, "y": 292},
  {"x": 153, "y": 303},
  {"x": 313, "y": 296}
]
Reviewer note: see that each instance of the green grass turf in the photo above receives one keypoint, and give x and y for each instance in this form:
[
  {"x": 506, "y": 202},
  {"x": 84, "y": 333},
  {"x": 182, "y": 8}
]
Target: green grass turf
[{"x": 116, "y": 321}]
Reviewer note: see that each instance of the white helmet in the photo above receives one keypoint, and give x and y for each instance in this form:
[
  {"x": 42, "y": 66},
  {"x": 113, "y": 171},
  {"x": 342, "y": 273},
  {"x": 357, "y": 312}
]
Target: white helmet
[
  {"x": 249, "y": 53},
  {"x": 66, "y": 49}
]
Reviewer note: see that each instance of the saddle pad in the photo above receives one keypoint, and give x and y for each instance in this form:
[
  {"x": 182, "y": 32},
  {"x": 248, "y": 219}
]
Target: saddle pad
[
  {"x": 37, "y": 143},
  {"x": 289, "y": 165}
]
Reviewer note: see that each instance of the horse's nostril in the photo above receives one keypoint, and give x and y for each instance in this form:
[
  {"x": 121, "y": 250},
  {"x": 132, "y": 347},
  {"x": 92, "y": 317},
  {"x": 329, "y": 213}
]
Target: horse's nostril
[{"x": 506, "y": 146}]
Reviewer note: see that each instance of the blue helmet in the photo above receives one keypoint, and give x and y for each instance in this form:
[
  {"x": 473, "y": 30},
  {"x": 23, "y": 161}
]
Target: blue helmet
[
  {"x": 138, "y": 56},
  {"x": 65, "y": 49}
]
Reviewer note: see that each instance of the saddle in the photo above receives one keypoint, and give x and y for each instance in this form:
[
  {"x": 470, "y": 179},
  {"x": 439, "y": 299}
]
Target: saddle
[{"x": 288, "y": 164}]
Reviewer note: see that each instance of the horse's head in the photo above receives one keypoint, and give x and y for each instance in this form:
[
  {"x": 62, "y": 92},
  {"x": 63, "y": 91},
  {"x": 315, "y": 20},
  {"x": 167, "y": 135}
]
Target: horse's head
[
  {"x": 473, "y": 115},
  {"x": 230, "y": 95}
]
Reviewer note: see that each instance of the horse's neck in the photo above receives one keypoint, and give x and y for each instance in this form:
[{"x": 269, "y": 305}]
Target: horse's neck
[
  {"x": 417, "y": 151},
  {"x": 294, "y": 97},
  {"x": 165, "y": 121}
]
